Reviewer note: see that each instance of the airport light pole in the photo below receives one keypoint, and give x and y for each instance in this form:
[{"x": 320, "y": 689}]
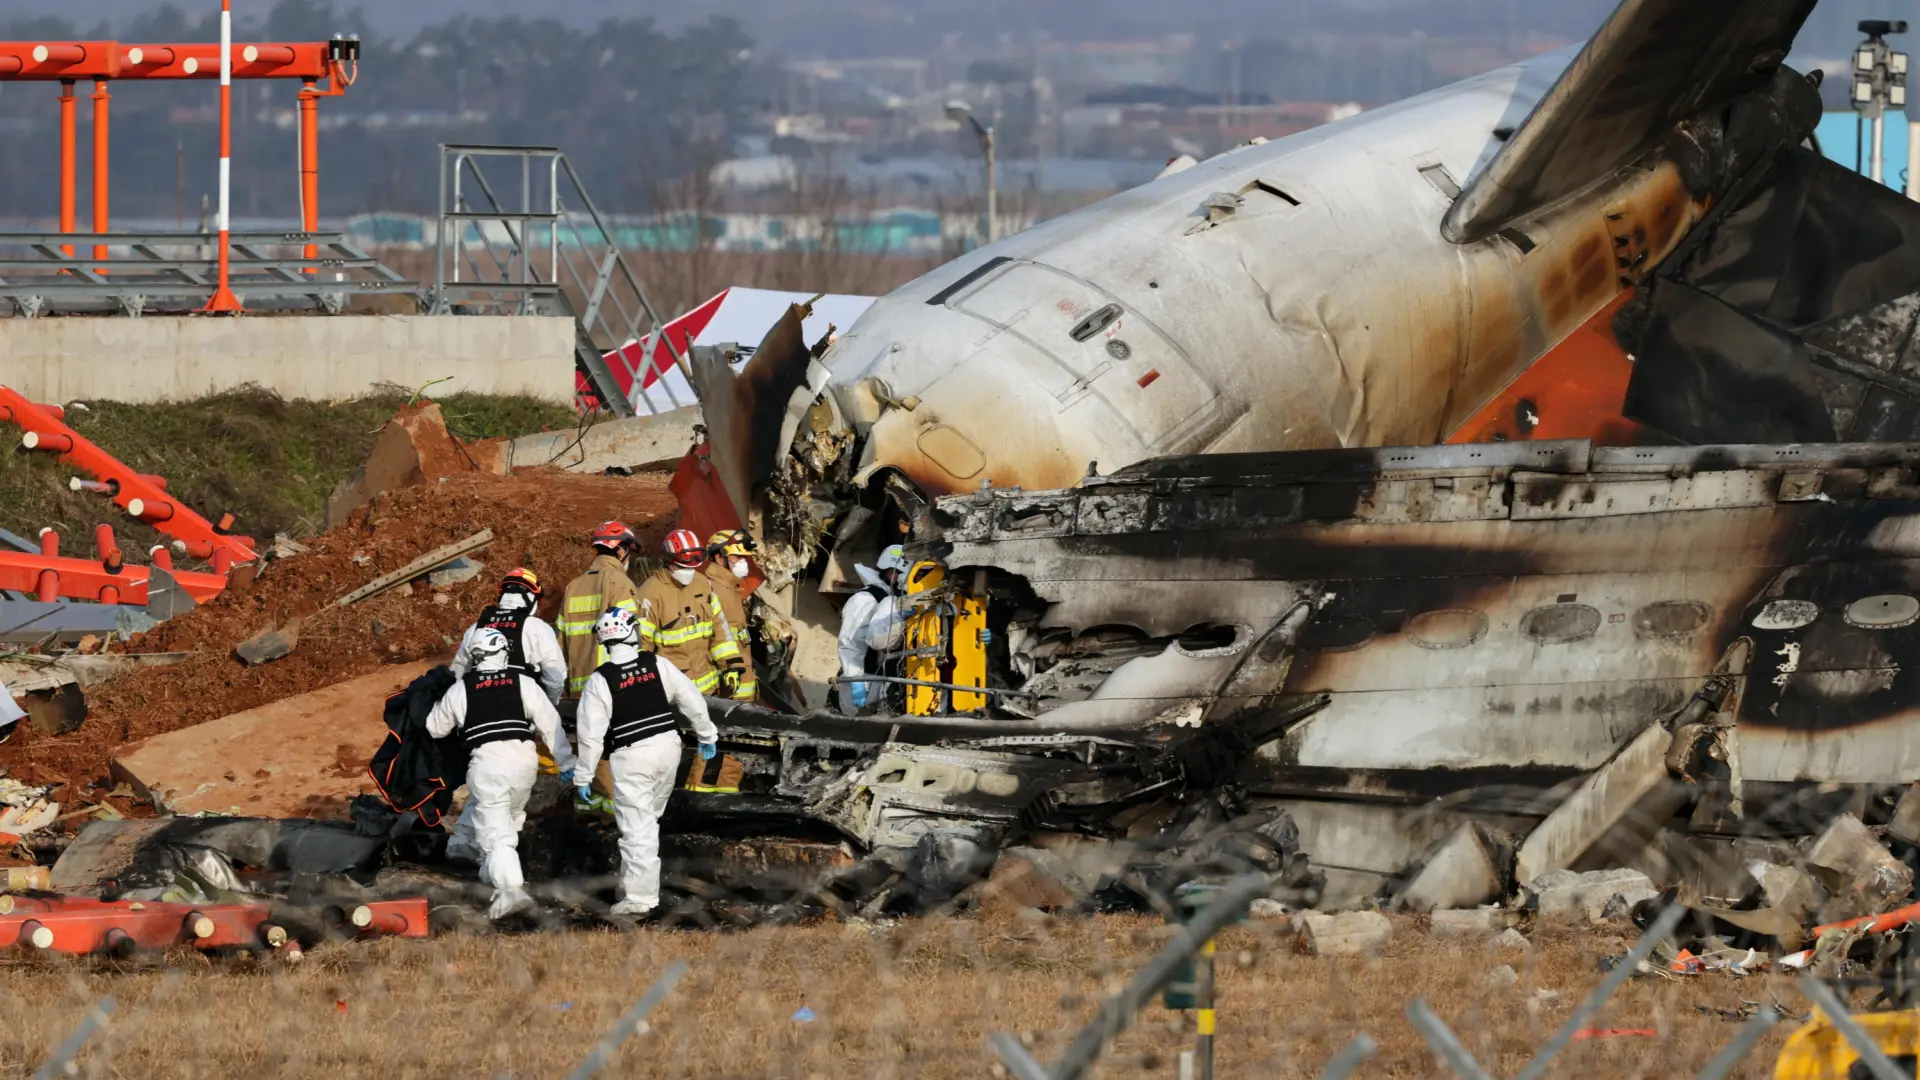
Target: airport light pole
[
  {"x": 958, "y": 112},
  {"x": 224, "y": 301},
  {"x": 1879, "y": 83}
]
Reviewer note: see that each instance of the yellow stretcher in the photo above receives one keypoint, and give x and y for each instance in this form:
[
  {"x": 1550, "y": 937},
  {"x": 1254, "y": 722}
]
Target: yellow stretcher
[{"x": 1819, "y": 1052}]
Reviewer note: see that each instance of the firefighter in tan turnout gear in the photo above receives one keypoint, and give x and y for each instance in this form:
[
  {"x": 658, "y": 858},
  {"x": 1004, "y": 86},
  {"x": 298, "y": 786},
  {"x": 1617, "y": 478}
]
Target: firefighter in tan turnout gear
[
  {"x": 681, "y": 618},
  {"x": 629, "y": 709},
  {"x": 728, "y": 569},
  {"x": 604, "y": 587}
]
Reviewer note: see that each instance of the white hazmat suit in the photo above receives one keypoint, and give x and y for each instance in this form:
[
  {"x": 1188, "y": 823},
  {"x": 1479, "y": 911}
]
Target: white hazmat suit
[
  {"x": 500, "y": 777},
  {"x": 642, "y": 773},
  {"x": 867, "y": 622},
  {"x": 541, "y": 648},
  {"x": 538, "y": 643}
]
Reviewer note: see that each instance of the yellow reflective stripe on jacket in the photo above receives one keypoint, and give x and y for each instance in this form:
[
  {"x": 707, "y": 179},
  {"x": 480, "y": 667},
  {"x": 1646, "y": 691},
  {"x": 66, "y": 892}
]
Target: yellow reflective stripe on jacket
[
  {"x": 747, "y": 690},
  {"x": 628, "y": 605},
  {"x": 577, "y": 683},
  {"x": 680, "y": 635},
  {"x": 724, "y": 649},
  {"x": 707, "y": 683},
  {"x": 584, "y": 604}
]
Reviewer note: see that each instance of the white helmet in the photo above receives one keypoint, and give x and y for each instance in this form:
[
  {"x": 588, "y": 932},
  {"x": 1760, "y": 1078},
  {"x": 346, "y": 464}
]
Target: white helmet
[
  {"x": 893, "y": 558},
  {"x": 616, "y": 627},
  {"x": 489, "y": 649}
]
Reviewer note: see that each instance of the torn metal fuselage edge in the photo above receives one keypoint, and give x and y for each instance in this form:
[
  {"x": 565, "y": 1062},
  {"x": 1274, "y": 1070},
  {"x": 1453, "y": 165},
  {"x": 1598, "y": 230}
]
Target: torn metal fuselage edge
[{"x": 1518, "y": 609}]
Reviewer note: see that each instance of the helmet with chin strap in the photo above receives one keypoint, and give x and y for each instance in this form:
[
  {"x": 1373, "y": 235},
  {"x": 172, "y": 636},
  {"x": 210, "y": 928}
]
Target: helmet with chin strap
[
  {"x": 684, "y": 550},
  {"x": 488, "y": 649}
]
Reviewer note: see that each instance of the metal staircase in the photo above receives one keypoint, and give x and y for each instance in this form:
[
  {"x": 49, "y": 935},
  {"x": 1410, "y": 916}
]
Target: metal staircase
[{"x": 548, "y": 253}]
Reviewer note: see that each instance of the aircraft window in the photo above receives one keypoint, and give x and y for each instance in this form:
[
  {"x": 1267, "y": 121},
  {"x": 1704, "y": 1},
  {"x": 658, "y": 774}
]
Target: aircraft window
[
  {"x": 1095, "y": 322},
  {"x": 1561, "y": 624},
  {"x": 1671, "y": 619},
  {"x": 1888, "y": 612},
  {"x": 1786, "y": 615},
  {"x": 1453, "y": 628},
  {"x": 1208, "y": 637},
  {"x": 891, "y": 776},
  {"x": 969, "y": 278}
]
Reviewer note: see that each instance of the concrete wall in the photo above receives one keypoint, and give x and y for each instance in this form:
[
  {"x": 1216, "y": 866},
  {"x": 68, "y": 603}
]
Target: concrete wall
[{"x": 316, "y": 357}]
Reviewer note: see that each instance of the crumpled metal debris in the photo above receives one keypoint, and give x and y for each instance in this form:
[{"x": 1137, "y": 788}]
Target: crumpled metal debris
[{"x": 24, "y": 808}]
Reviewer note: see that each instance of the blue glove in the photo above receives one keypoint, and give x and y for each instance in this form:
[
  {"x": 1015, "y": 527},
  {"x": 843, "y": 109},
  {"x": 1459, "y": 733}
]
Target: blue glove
[
  {"x": 986, "y": 637},
  {"x": 566, "y": 777},
  {"x": 857, "y": 693},
  {"x": 707, "y": 750},
  {"x": 583, "y": 793}
]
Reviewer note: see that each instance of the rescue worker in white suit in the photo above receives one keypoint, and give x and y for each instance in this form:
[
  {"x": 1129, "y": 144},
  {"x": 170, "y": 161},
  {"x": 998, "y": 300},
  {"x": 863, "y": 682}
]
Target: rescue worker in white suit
[
  {"x": 628, "y": 708},
  {"x": 869, "y": 625},
  {"x": 532, "y": 649},
  {"x": 499, "y": 712}
]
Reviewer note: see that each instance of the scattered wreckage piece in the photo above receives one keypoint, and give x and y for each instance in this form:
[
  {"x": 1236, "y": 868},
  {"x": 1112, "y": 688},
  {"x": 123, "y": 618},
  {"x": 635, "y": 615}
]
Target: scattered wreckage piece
[
  {"x": 273, "y": 644},
  {"x": 51, "y": 690},
  {"x": 928, "y": 803}
]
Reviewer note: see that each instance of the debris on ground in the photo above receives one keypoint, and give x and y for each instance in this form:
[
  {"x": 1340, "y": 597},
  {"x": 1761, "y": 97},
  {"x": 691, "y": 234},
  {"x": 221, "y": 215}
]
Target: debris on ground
[
  {"x": 1596, "y": 895},
  {"x": 1355, "y": 933},
  {"x": 1472, "y": 922}
]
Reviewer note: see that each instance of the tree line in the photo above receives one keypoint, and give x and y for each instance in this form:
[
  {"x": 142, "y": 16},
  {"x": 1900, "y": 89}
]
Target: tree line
[{"x": 626, "y": 100}]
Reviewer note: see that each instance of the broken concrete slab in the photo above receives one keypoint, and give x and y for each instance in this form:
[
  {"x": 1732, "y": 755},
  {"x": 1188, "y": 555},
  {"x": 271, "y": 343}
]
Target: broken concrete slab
[
  {"x": 1503, "y": 976},
  {"x": 1860, "y": 875},
  {"x": 1789, "y": 889},
  {"x": 414, "y": 447},
  {"x": 1471, "y": 922},
  {"x": 1511, "y": 939},
  {"x": 1616, "y": 810},
  {"x": 1463, "y": 871},
  {"x": 1564, "y": 892},
  {"x": 304, "y": 757},
  {"x": 1356, "y": 933},
  {"x": 639, "y": 442}
]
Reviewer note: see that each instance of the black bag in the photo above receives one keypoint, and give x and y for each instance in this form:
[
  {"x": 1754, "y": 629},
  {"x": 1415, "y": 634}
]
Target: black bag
[{"x": 414, "y": 772}]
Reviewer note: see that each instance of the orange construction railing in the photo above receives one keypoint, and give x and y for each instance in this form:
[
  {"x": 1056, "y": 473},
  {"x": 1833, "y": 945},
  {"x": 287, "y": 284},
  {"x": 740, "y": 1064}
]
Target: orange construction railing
[{"x": 143, "y": 496}]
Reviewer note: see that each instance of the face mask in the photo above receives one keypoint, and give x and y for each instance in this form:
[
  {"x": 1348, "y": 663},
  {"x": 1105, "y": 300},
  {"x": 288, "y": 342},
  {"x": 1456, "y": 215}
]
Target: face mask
[
  {"x": 739, "y": 567},
  {"x": 683, "y": 575}
]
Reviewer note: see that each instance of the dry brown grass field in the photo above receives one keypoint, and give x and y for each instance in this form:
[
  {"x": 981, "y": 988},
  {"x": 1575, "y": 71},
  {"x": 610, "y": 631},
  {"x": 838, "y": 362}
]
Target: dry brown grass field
[{"x": 911, "y": 999}]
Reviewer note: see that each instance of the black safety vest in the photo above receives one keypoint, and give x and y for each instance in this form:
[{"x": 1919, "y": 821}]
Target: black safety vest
[
  {"x": 640, "y": 706},
  {"x": 495, "y": 712},
  {"x": 510, "y": 624}
]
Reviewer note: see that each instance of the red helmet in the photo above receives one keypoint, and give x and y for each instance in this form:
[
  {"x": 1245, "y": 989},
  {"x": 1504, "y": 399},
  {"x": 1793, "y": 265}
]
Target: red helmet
[
  {"x": 521, "y": 578},
  {"x": 684, "y": 549},
  {"x": 613, "y": 535}
]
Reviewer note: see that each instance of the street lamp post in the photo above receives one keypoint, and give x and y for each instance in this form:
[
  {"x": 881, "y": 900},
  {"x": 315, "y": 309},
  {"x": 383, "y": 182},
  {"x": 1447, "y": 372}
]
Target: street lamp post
[{"x": 958, "y": 112}]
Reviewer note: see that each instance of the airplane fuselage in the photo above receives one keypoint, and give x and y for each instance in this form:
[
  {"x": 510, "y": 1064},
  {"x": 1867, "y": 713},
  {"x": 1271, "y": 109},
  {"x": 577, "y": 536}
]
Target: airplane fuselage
[{"x": 1289, "y": 295}]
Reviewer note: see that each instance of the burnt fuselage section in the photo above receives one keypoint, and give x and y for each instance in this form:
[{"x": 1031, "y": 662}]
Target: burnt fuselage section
[{"x": 1485, "y": 612}]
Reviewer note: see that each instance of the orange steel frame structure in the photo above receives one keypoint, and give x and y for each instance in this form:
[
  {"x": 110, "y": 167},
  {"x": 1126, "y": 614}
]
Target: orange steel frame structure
[{"x": 335, "y": 63}]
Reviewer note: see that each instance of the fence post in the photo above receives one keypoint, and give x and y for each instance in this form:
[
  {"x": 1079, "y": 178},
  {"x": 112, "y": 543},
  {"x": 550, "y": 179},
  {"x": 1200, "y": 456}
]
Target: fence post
[{"x": 60, "y": 1062}]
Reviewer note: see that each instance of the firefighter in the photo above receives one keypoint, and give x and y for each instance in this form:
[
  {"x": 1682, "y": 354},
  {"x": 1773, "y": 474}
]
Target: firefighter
[
  {"x": 499, "y": 712},
  {"x": 602, "y": 588},
  {"x": 728, "y": 569},
  {"x": 681, "y": 618},
  {"x": 532, "y": 646},
  {"x": 868, "y": 624},
  {"x": 629, "y": 708}
]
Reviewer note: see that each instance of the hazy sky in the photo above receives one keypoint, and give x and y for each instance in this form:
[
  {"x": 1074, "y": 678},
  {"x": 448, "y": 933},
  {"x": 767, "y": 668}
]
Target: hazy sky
[{"x": 842, "y": 27}]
